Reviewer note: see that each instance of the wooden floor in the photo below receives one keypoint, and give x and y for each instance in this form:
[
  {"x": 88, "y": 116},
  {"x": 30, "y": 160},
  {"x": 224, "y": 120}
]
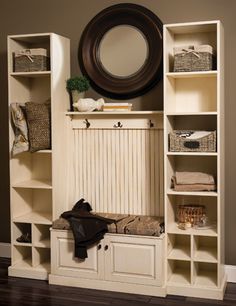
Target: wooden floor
[{"x": 21, "y": 292}]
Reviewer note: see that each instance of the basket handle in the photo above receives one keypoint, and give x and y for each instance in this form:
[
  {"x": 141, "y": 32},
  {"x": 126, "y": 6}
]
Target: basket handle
[{"x": 191, "y": 144}]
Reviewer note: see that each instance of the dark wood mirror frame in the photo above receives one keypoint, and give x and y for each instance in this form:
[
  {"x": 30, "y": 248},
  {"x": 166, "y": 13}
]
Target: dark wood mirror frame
[{"x": 151, "y": 72}]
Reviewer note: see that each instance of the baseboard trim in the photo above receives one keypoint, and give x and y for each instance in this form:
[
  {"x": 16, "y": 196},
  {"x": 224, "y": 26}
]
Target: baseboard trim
[
  {"x": 5, "y": 250},
  {"x": 231, "y": 273}
]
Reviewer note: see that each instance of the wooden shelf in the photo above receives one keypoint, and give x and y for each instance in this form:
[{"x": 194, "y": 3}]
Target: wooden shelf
[
  {"x": 23, "y": 264},
  {"x": 34, "y": 74},
  {"x": 43, "y": 152},
  {"x": 194, "y": 74},
  {"x": 173, "y": 229},
  {"x": 192, "y": 153},
  {"x": 43, "y": 243},
  {"x": 193, "y": 193},
  {"x": 34, "y": 184},
  {"x": 114, "y": 113},
  {"x": 191, "y": 113},
  {"x": 26, "y": 244},
  {"x": 27, "y": 264},
  {"x": 35, "y": 217},
  {"x": 181, "y": 253}
]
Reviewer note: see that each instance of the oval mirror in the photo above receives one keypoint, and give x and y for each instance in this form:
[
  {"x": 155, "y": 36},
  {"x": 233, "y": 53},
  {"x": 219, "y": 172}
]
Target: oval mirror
[{"x": 120, "y": 51}]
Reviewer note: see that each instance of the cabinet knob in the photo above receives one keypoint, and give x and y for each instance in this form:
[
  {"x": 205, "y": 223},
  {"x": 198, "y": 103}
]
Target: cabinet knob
[
  {"x": 99, "y": 247},
  {"x": 106, "y": 247}
]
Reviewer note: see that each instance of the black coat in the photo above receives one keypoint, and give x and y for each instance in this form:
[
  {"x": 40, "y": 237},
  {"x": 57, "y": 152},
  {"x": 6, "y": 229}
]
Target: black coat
[{"x": 87, "y": 228}]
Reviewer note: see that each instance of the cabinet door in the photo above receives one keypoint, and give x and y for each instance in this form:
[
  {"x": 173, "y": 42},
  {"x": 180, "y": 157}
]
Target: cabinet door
[
  {"x": 133, "y": 259},
  {"x": 68, "y": 265}
]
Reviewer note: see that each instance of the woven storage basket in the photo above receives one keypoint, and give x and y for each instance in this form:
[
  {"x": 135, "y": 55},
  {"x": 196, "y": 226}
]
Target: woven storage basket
[
  {"x": 29, "y": 60},
  {"x": 193, "y": 58},
  {"x": 179, "y": 142},
  {"x": 191, "y": 213}
]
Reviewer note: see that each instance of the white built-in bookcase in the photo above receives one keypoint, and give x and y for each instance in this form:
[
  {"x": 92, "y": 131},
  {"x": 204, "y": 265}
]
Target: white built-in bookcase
[
  {"x": 194, "y": 101},
  {"x": 36, "y": 179}
]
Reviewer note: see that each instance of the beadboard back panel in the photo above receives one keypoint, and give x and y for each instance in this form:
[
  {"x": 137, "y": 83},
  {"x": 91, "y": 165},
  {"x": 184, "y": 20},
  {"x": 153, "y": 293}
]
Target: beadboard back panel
[{"x": 117, "y": 170}]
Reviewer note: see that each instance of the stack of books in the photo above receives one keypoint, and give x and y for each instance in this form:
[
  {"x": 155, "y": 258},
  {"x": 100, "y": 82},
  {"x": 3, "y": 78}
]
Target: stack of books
[{"x": 117, "y": 107}]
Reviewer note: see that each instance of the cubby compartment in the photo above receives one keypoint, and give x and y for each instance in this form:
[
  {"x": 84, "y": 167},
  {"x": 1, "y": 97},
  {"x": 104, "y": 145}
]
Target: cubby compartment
[
  {"x": 35, "y": 88},
  {"x": 179, "y": 272},
  {"x": 193, "y": 122},
  {"x": 22, "y": 231},
  {"x": 191, "y": 95},
  {"x": 41, "y": 258},
  {"x": 188, "y": 35},
  {"x": 32, "y": 205},
  {"x": 32, "y": 170},
  {"x": 41, "y": 235},
  {"x": 205, "y": 249},
  {"x": 210, "y": 203},
  {"x": 21, "y": 256},
  {"x": 179, "y": 247},
  {"x": 205, "y": 274},
  {"x": 18, "y": 43},
  {"x": 205, "y": 164}
]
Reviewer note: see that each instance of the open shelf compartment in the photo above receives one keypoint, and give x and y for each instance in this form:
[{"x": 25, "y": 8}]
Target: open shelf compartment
[
  {"x": 205, "y": 249},
  {"x": 20, "y": 229},
  {"x": 32, "y": 167},
  {"x": 205, "y": 274},
  {"x": 22, "y": 256},
  {"x": 179, "y": 272},
  {"x": 191, "y": 94},
  {"x": 173, "y": 201},
  {"x": 41, "y": 258},
  {"x": 32, "y": 205},
  {"x": 41, "y": 235},
  {"x": 205, "y": 164},
  {"x": 179, "y": 247},
  {"x": 187, "y": 35},
  {"x": 17, "y": 43}
]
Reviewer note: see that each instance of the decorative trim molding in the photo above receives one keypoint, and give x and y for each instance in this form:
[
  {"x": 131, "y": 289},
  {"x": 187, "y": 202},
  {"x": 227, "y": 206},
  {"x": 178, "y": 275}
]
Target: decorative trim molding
[
  {"x": 5, "y": 250},
  {"x": 231, "y": 273}
]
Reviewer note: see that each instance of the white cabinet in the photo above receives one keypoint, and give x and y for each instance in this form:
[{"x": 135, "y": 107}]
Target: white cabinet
[
  {"x": 117, "y": 259},
  {"x": 194, "y": 101},
  {"x": 66, "y": 264},
  {"x": 134, "y": 260},
  {"x": 36, "y": 179}
]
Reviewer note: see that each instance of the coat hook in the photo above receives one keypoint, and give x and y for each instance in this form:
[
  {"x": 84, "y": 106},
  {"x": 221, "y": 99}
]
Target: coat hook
[
  {"x": 87, "y": 123},
  {"x": 118, "y": 125},
  {"x": 151, "y": 124}
]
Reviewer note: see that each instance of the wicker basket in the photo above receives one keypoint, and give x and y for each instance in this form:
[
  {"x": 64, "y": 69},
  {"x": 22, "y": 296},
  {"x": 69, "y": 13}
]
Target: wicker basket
[
  {"x": 29, "y": 60},
  {"x": 193, "y": 58},
  {"x": 192, "y": 214},
  {"x": 184, "y": 141}
]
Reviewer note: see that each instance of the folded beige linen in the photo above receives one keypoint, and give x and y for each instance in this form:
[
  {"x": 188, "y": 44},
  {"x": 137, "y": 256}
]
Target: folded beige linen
[
  {"x": 192, "y": 187},
  {"x": 189, "y": 178}
]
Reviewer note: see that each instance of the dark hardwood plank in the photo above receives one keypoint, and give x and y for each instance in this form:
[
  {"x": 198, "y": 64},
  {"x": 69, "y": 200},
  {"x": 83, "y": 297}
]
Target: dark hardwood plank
[{"x": 24, "y": 292}]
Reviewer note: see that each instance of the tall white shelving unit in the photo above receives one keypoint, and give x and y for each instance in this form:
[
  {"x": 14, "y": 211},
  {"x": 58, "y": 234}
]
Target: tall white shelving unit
[
  {"x": 194, "y": 100},
  {"x": 37, "y": 178}
]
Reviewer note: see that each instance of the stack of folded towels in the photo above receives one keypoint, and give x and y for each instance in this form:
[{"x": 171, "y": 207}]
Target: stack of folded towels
[{"x": 193, "y": 181}]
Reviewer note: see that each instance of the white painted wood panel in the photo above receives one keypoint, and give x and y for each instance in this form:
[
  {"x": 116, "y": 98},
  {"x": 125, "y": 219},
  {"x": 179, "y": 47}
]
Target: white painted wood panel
[
  {"x": 133, "y": 259},
  {"x": 116, "y": 170}
]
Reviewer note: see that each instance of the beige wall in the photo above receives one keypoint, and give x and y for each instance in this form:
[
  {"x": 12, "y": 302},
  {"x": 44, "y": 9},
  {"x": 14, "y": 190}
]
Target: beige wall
[{"x": 68, "y": 18}]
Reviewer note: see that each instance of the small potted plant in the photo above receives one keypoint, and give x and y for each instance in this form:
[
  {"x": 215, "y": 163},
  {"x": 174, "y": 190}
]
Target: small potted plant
[{"x": 76, "y": 87}]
